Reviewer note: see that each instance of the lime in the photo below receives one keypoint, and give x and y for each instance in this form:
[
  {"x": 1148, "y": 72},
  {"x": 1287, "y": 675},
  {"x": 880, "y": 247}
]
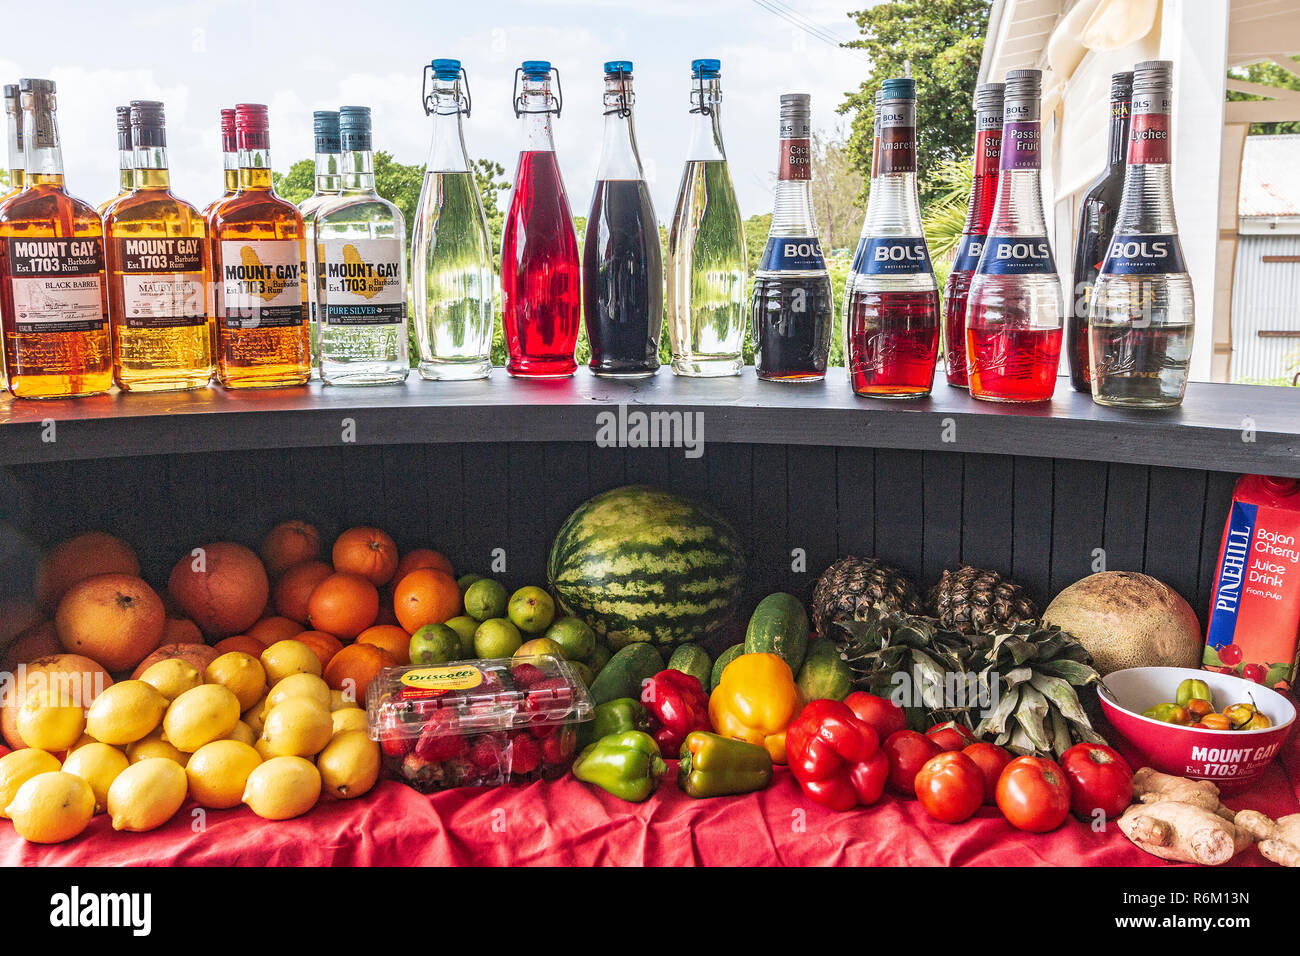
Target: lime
[
  {"x": 485, "y": 599},
  {"x": 435, "y": 644},
  {"x": 532, "y": 610},
  {"x": 465, "y": 580},
  {"x": 575, "y": 638},
  {"x": 540, "y": 647},
  {"x": 465, "y": 626},
  {"x": 599, "y": 658},
  {"x": 583, "y": 671},
  {"x": 496, "y": 637}
]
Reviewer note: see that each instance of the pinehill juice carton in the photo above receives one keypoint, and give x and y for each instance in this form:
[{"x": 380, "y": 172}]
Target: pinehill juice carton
[{"x": 1255, "y": 605}]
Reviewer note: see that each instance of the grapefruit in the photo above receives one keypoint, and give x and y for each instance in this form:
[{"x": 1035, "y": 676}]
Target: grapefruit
[
  {"x": 116, "y": 619},
  {"x": 222, "y": 587},
  {"x": 79, "y": 558},
  {"x": 80, "y": 677},
  {"x": 287, "y": 544}
]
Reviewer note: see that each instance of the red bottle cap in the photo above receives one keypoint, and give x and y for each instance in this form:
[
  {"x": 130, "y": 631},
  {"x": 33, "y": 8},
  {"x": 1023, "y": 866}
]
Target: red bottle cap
[
  {"x": 228, "y": 131},
  {"x": 251, "y": 127}
]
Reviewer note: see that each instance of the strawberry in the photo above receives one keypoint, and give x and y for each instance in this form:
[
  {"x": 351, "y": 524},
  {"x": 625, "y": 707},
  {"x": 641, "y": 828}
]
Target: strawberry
[
  {"x": 485, "y": 754},
  {"x": 525, "y": 754},
  {"x": 441, "y": 738},
  {"x": 526, "y": 675}
]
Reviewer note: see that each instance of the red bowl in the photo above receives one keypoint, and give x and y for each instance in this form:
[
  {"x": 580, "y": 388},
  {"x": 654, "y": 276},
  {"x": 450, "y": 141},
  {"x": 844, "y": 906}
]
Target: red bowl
[{"x": 1233, "y": 759}]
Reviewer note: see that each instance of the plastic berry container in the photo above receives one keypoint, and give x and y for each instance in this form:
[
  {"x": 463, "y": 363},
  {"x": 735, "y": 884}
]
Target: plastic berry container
[{"x": 477, "y": 723}]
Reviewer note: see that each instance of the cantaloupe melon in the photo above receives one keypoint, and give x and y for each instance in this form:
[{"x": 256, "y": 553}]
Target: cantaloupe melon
[{"x": 1126, "y": 619}]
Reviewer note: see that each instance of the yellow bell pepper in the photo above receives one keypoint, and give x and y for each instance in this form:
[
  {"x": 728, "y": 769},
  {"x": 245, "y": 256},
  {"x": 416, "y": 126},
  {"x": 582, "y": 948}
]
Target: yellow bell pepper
[{"x": 755, "y": 701}]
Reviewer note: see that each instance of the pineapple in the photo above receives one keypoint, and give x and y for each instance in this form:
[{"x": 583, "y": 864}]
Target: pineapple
[
  {"x": 972, "y": 600},
  {"x": 851, "y": 586}
]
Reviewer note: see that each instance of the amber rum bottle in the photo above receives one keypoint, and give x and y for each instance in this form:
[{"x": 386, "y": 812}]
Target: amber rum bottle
[
  {"x": 16, "y": 168},
  {"x": 125, "y": 161},
  {"x": 230, "y": 171},
  {"x": 157, "y": 272},
  {"x": 258, "y": 257},
  {"x": 52, "y": 288}
]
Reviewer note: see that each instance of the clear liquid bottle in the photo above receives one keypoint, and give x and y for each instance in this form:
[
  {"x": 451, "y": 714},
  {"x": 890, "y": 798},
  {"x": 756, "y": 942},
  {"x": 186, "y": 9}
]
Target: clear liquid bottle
[
  {"x": 328, "y": 183},
  {"x": 974, "y": 232},
  {"x": 622, "y": 266},
  {"x": 892, "y": 330},
  {"x": 360, "y": 241},
  {"x": 791, "y": 305},
  {"x": 706, "y": 245},
  {"x": 1142, "y": 314},
  {"x": 451, "y": 255},
  {"x": 1014, "y": 310}
]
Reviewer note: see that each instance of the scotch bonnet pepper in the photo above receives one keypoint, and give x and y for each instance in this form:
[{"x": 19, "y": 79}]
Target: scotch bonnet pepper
[
  {"x": 755, "y": 700},
  {"x": 628, "y": 765},
  {"x": 836, "y": 756},
  {"x": 678, "y": 706},
  {"x": 716, "y": 766}
]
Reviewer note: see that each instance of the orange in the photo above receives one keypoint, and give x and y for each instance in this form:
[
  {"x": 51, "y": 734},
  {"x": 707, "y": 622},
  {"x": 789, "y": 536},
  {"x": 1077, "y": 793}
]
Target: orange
[
  {"x": 287, "y": 544},
  {"x": 240, "y": 642},
  {"x": 425, "y": 596},
  {"x": 422, "y": 558},
  {"x": 391, "y": 638},
  {"x": 344, "y": 604},
  {"x": 368, "y": 552},
  {"x": 114, "y": 619},
  {"x": 79, "y": 676},
  {"x": 323, "y": 645},
  {"x": 181, "y": 630},
  {"x": 41, "y": 640},
  {"x": 79, "y": 558},
  {"x": 294, "y": 588},
  {"x": 271, "y": 629},
  {"x": 352, "y": 669}
]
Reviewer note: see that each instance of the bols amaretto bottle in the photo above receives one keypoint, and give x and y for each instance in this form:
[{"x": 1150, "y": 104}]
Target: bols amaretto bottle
[
  {"x": 1142, "y": 314},
  {"x": 328, "y": 182},
  {"x": 1097, "y": 214},
  {"x": 1014, "y": 310},
  {"x": 792, "y": 308},
  {"x": 361, "y": 287}
]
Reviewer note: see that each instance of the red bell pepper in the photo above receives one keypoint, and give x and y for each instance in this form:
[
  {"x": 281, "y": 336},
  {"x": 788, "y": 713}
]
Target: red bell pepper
[
  {"x": 678, "y": 707},
  {"x": 836, "y": 756}
]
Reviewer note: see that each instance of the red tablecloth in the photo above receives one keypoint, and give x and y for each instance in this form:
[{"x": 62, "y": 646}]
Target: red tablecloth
[{"x": 568, "y": 823}]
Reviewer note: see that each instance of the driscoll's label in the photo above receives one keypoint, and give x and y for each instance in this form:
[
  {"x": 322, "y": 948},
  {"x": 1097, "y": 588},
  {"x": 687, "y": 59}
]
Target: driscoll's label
[
  {"x": 1143, "y": 256},
  {"x": 261, "y": 284},
  {"x": 891, "y": 257},
  {"x": 1020, "y": 145},
  {"x": 363, "y": 282},
  {"x": 968, "y": 253},
  {"x": 1016, "y": 256},
  {"x": 162, "y": 282},
  {"x": 58, "y": 284},
  {"x": 792, "y": 254}
]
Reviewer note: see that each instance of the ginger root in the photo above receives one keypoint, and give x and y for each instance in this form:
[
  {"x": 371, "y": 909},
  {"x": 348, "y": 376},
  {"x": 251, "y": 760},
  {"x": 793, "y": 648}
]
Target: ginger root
[
  {"x": 1279, "y": 840},
  {"x": 1183, "y": 832},
  {"x": 1151, "y": 786}
]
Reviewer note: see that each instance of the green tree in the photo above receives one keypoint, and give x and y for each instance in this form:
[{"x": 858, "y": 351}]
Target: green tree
[
  {"x": 298, "y": 183},
  {"x": 400, "y": 184},
  {"x": 488, "y": 176},
  {"x": 837, "y": 190},
  {"x": 1269, "y": 74},
  {"x": 940, "y": 42}
]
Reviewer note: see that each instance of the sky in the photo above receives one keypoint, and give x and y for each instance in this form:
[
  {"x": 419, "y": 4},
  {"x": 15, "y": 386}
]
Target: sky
[{"x": 202, "y": 55}]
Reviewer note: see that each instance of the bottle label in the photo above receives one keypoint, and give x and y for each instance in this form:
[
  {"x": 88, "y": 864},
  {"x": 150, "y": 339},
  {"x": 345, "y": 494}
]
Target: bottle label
[
  {"x": 162, "y": 283},
  {"x": 988, "y": 151},
  {"x": 1148, "y": 136},
  {"x": 1016, "y": 256},
  {"x": 261, "y": 284},
  {"x": 58, "y": 284},
  {"x": 363, "y": 282},
  {"x": 891, "y": 257},
  {"x": 1143, "y": 256},
  {"x": 897, "y": 137},
  {"x": 792, "y": 254},
  {"x": 796, "y": 160},
  {"x": 1020, "y": 142},
  {"x": 968, "y": 253}
]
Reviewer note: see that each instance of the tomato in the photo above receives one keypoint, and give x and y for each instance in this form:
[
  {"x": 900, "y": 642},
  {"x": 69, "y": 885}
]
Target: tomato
[
  {"x": 907, "y": 752},
  {"x": 1034, "y": 794},
  {"x": 884, "y": 715},
  {"x": 950, "y": 735},
  {"x": 950, "y": 786},
  {"x": 1100, "y": 779},
  {"x": 990, "y": 758}
]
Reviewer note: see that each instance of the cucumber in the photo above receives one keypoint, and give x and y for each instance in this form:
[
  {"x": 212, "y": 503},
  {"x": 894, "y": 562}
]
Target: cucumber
[
  {"x": 625, "y": 672},
  {"x": 720, "y": 665},
  {"x": 694, "y": 660},
  {"x": 779, "y": 625},
  {"x": 824, "y": 673}
]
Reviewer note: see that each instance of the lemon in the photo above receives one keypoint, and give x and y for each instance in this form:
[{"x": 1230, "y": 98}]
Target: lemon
[
  {"x": 19, "y": 767},
  {"x": 173, "y": 677},
  {"x": 155, "y": 745},
  {"x": 218, "y": 772},
  {"x": 299, "y": 727},
  {"x": 255, "y": 715},
  {"x": 241, "y": 674},
  {"x": 200, "y": 716},
  {"x": 349, "y": 765},
  {"x": 349, "y": 718},
  {"x": 289, "y": 657},
  {"x": 50, "y": 721},
  {"x": 97, "y": 764},
  {"x": 340, "y": 700},
  {"x": 283, "y": 787},
  {"x": 84, "y": 739},
  {"x": 243, "y": 733},
  {"x": 52, "y": 807},
  {"x": 147, "y": 794},
  {"x": 262, "y": 750},
  {"x": 125, "y": 712},
  {"x": 299, "y": 685}
]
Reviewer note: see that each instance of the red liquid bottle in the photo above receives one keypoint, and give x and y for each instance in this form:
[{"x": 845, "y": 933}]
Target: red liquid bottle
[
  {"x": 540, "y": 285},
  {"x": 988, "y": 152}
]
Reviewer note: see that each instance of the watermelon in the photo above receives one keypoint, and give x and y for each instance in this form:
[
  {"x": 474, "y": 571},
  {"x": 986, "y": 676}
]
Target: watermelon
[
  {"x": 779, "y": 625},
  {"x": 643, "y": 565}
]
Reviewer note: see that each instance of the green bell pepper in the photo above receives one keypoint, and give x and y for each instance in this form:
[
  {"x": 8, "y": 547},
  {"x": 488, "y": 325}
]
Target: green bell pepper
[
  {"x": 613, "y": 717},
  {"x": 715, "y": 766},
  {"x": 627, "y": 764}
]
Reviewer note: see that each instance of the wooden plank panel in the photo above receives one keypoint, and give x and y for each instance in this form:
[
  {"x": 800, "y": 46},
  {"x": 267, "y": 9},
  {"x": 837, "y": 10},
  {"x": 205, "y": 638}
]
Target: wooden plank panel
[
  {"x": 1218, "y": 499},
  {"x": 1127, "y": 487},
  {"x": 942, "y": 505},
  {"x": 730, "y": 487},
  {"x": 855, "y": 473},
  {"x": 811, "y": 484},
  {"x": 899, "y": 532},
  {"x": 439, "y": 490},
  {"x": 770, "y": 555},
  {"x": 606, "y": 468},
  {"x": 1175, "y": 511},
  {"x": 988, "y": 523},
  {"x": 1031, "y": 537},
  {"x": 1078, "y": 519},
  {"x": 486, "y": 470}
]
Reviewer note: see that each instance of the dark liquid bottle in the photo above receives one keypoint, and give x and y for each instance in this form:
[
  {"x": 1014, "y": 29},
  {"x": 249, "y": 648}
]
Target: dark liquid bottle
[
  {"x": 1097, "y": 215},
  {"x": 622, "y": 267}
]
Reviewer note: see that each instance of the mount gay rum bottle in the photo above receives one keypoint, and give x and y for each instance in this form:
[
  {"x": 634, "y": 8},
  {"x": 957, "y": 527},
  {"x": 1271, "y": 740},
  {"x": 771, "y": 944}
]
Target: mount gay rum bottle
[
  {"x": 230, "y": 183},
  {"x": 328, "y": 182},
  {"x": 258, "y": 255},
  {"x": 979, "y": 211},
  {"x": 125, "y": 160},
  {"x": 1014, "y": 310},
  {"x": 17, "y": 171},
  {"x": 52, "y": 289}
]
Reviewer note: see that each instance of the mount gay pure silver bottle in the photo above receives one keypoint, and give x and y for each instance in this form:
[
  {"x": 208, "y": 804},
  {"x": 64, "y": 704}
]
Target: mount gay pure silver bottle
[{"x": 1141, "y": 317}]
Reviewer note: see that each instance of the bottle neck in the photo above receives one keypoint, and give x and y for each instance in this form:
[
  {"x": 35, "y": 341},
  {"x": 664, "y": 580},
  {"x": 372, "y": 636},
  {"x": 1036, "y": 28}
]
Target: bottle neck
[
  {"x": 893, "y": 208},
  {"x": 618, "y": 154},
  {"x": 329, "y": 174},
  {"x": 254, "y": 170},
  {"x": 230, "y": 171},
  {"x": 1018, "y": 210},
  {"x": 984, "y": 186},
  {"x": 792, "y": 208},
  {"x": 536, "y": 104},
  {"x": 447, "y": 152},
  {"x": 1117, "y": 150},
  {"x": 358, "y": 174},
  {"x": 14, "y": 140},
  {"x": 150, "y": 168},
  {"x": 125, "y": 170},
  {"x": 706, "y": 122},
  {"x": 1147, "y": 205},
  {"x": 42, "y": 154}
]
